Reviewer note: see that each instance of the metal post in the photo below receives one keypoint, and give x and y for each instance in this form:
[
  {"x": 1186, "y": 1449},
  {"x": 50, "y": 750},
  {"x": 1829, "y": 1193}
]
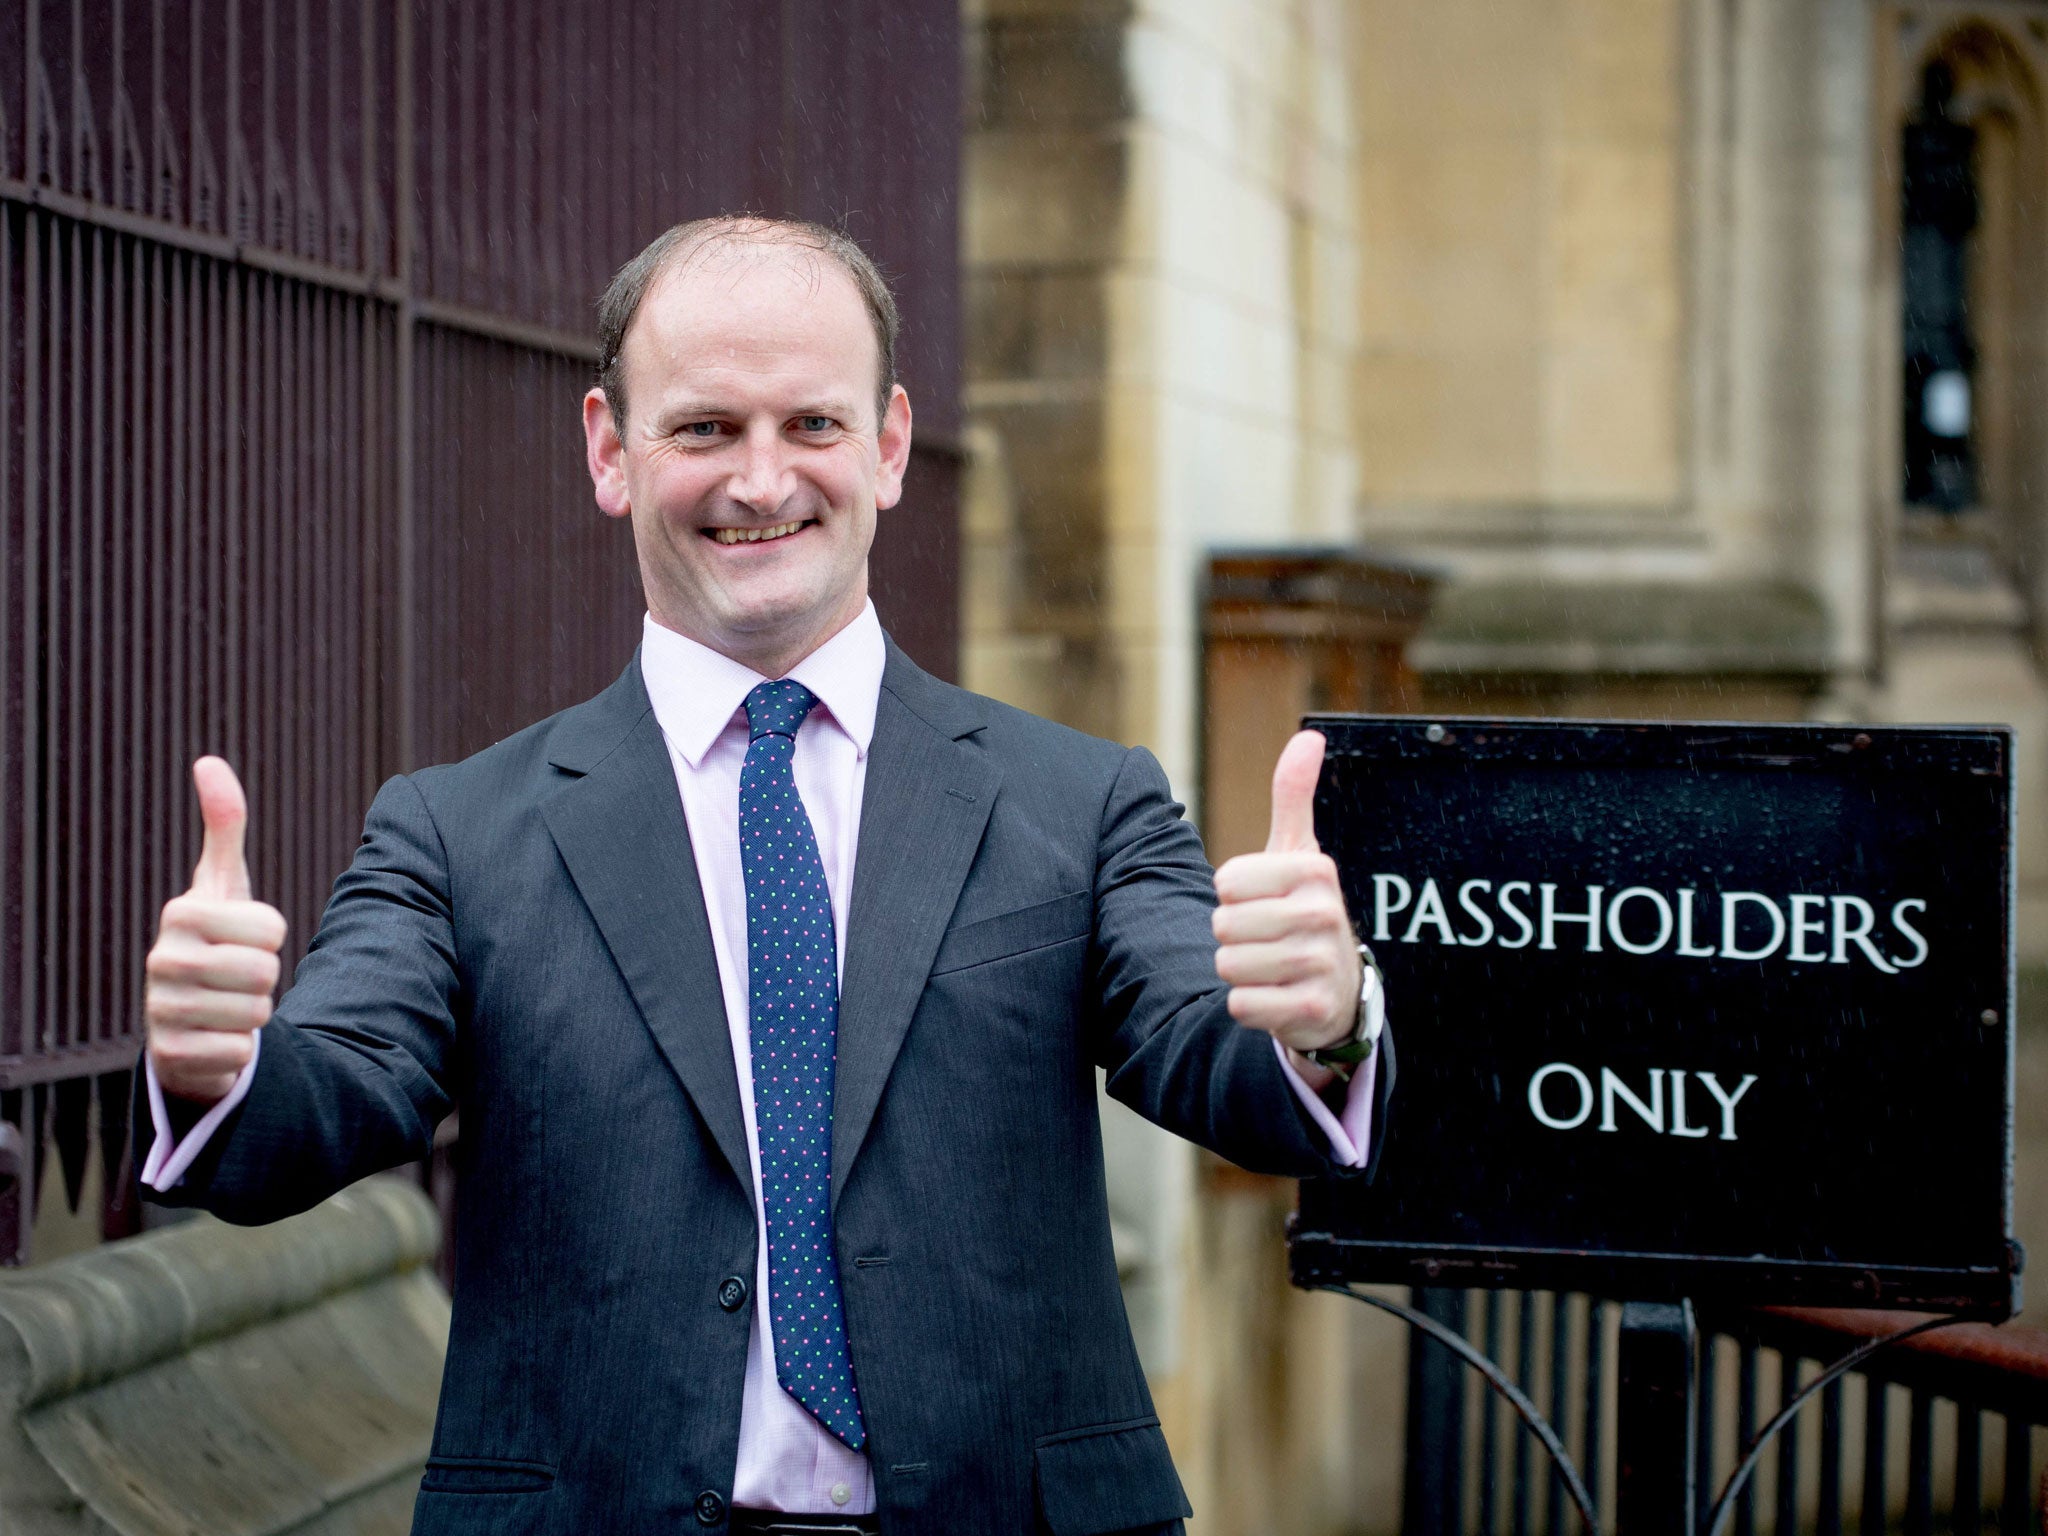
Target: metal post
[
  {"x": 1434, "y": 1475},
  {"x": 1656, "y": 1419}
]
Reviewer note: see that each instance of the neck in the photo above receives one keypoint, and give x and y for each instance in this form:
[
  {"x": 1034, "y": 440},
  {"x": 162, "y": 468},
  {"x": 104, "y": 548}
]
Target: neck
[{"x": 770, "y": 655}]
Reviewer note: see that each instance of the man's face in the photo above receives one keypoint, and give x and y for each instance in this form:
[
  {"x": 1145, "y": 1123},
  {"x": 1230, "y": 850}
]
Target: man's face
[{"x": 751, "y": 463}]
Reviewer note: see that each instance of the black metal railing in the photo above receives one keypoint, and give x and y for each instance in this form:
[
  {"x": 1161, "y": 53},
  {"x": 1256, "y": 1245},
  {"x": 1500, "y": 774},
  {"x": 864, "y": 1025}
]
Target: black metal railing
[{"x": 1932, "y": 1434}]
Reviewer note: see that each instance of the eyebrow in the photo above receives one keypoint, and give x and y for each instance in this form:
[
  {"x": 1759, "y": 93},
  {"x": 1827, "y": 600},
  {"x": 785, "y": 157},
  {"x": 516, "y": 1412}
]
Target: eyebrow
[{"x": 694, "y": 410}]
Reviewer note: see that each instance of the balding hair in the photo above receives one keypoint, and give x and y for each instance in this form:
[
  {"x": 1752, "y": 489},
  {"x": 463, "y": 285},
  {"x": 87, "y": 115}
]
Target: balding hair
[{"x": 680, "y": 244}]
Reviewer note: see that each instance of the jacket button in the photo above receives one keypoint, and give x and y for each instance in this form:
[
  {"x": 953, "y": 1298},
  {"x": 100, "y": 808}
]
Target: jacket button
[
  {"x": 732, "y": 1293},
  {"x": 710, "y": 1507}
]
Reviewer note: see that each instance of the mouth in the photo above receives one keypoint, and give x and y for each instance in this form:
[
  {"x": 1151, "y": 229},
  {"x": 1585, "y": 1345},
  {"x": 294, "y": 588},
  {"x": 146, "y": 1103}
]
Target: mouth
[{"x": 757, "y": 535}]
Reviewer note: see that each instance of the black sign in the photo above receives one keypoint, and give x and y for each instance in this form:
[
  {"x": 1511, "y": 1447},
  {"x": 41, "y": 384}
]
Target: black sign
[{"x": 1682, "y": 1010}]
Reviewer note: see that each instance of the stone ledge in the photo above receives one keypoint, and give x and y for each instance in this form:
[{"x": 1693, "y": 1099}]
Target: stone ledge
[
  {"x": 1639, "y": 628},
  {"x": 215, "y": 1379}
]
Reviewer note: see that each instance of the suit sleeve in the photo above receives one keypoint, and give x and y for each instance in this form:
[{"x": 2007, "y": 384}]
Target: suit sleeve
[
  {"x": 1159, "y": 1023},
  {"x": 357, "y": 1062}
]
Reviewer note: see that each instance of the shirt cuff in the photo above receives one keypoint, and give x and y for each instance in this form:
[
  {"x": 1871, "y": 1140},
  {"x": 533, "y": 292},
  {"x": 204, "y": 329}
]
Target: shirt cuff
[
  {"x": 1350, "y": 1133},
  {"x": 169, "y": 1156}
]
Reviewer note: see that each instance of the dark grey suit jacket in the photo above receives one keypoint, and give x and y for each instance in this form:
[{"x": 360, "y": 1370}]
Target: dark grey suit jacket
[{"x": 523, "y": 933}]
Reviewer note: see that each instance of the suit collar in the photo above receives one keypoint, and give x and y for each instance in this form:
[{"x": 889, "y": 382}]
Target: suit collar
[
  {"x": 952, "y": 712},
  {"x": 586, "y": 734}
]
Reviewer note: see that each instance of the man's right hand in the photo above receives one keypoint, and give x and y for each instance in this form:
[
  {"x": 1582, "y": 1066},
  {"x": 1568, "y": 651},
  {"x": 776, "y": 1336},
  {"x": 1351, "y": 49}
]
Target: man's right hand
[{"x": 215, "y": 963}]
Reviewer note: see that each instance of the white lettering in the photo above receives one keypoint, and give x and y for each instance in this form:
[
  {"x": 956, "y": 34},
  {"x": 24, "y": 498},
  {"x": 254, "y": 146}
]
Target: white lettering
[
  {"x": 1621, "y": 939},
  {"x": 1612, "y": 1086},
  {"x": 1802, "y": 925},
  {"x": 1728, "y": 1100},
  {"x": 1429, "y": 908},
  {"x": 1521, "y": 918},
  {"x": 1590, "y": 917},
  {"x": 1678, "y": 1125},
  {"x": 1801, "y": 929},
  {"x": 1730, "y": 950},
  {"x": 1859, "y": 935},
  {"x": 1571, "y": 1122},
  {"x": 1686, "y": 946},
  {"x": 1485, "y": 923},
  {"x": 1381, "y": 908},
  {"x": 1899, "y": 922}
]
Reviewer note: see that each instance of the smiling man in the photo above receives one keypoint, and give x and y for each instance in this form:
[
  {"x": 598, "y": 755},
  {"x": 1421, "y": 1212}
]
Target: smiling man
[{"x": 772, "y": 983}]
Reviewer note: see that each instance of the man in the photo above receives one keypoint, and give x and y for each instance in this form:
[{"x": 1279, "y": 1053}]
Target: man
[{"x": 772, "y": 983}]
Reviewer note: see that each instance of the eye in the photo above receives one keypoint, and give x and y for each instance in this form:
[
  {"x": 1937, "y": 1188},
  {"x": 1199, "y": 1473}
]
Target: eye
[
  {"x": 815, "y": 423},
  {"x": 702, "y": 430}
]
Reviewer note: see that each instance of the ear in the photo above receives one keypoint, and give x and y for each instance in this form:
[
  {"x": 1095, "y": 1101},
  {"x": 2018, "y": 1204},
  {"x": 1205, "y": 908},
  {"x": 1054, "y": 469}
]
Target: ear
[
  {"x": 605, "y": 455},
  {"x": 894, "y": 444}
]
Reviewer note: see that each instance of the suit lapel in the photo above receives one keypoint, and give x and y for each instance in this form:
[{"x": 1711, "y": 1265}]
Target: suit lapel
[
  {"x": 620, "y": 830},
  {"x": 926, "y": 803}
]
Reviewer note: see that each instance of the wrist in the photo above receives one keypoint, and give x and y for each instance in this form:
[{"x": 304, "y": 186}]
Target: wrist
[
  {"x": 1312, "y": 1072},
  {"x": 1351, "y": 1049}
]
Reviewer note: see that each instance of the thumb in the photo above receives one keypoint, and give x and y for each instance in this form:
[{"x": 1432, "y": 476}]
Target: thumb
[
  {"x": 1294, "y": 794},
  {"x": 223, "y": 871}
]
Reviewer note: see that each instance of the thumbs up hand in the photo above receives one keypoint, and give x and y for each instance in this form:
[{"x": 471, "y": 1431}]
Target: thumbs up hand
[
  {"x": 215, "y": 961},
  {"x": 1284, "y": 940}
]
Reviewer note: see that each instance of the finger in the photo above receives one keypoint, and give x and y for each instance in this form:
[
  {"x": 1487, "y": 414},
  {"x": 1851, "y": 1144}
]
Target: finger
[
  {"x": 219, "y": 967},
  {"x": 223, "y": 871},
  {"x": 1279, "y": 917},
  {"x": 255, "y": 923},
  {"x": 177, "y": 1007},
  {"x": 1253, "y": 876},
  {"x": 1274, "y": 965},
  {"x": 1298, "y": 1011},
  {"x": 200, "y": 1063},
  {"x": 208, "y": 1090},
  {"x": 1294, "y": 794}
]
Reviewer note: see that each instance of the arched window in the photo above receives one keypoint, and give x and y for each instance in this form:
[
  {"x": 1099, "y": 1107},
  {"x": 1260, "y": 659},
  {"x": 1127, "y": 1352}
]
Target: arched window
[
  {"x": 1937, "y": 217},
  {"x": 1973, "y": 231}
]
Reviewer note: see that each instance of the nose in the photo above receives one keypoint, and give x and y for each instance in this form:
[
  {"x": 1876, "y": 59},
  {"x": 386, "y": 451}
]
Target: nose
[{"x": 756, "y": 481}]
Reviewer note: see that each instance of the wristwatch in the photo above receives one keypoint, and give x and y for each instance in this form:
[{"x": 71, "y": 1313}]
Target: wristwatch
[{"x": 1352, "y": 1052}]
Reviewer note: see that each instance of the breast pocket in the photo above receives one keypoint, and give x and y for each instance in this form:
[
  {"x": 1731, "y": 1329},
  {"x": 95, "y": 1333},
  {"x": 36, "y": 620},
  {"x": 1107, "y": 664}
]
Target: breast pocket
[{"x": 1039, "y": 926}]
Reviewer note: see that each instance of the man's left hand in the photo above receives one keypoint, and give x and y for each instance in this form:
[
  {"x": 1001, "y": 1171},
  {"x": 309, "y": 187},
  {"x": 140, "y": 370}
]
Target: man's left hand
[{"x": 1284, "y": 940}]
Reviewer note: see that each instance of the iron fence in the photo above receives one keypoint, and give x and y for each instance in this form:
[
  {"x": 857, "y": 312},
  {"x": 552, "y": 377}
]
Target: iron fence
[
  {"x": 1937, "y": 1433},
  {"x": 294, "y": 314}
]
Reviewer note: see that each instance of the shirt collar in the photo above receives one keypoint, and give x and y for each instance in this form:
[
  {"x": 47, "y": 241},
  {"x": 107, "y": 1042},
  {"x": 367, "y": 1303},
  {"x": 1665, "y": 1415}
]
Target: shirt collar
[{"x": 696, "y": 691}]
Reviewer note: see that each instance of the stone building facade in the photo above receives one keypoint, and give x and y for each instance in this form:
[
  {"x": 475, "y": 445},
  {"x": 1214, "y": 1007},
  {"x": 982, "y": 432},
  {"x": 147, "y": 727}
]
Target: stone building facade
[{"x": 1592, "y": 308}]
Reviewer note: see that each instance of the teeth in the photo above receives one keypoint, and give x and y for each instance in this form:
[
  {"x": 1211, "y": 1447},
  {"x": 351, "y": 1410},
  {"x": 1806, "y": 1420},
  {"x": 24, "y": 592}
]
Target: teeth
[{"x": 754, "y": 535}]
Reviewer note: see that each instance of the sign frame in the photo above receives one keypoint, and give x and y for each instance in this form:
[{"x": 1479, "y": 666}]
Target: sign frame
[{"x": 1331, "y": 1243}]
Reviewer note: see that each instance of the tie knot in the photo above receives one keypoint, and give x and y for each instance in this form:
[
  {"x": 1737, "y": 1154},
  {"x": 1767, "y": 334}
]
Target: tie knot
[{"x": 778, "y": 708}]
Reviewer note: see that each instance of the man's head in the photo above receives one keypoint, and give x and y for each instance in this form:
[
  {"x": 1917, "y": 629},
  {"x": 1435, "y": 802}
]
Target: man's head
[{"x": 747, "y": 419}]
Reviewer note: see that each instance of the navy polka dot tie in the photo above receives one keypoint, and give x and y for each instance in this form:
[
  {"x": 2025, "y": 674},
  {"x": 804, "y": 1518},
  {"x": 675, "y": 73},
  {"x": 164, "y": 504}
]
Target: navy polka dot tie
[{"x": 793, "y": 984}]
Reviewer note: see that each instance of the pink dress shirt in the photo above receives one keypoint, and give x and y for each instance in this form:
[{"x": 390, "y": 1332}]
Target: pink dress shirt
[{"x": 787, "y": 1461}]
